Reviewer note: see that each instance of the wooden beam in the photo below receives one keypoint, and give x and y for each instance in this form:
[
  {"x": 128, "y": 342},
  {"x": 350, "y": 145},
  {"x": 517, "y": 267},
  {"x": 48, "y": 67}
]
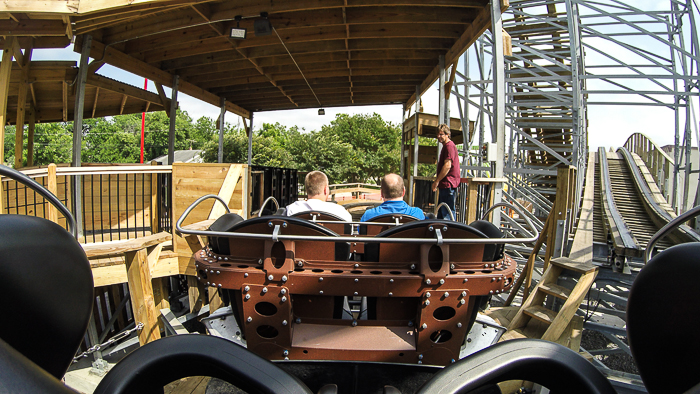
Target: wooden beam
[
  {"x": 31, "y": 90},
  {"x": 121, "y": 107},
  {"x": 127, "y": 63},
  {"x": 163, "y": 98},
  {"x": 69, "y": 26},
  {"x": 65, "y": 100},
  {"x": 32, "y": 27},
  {"x": 227, "y": 189},
  {"x": 114, "y": 86},
  {"x": 5, "y": 69},
  {"x": 94, "y": 104},
  {"x": 141, "y": 291},
  {"x": 21, "y": 105}
]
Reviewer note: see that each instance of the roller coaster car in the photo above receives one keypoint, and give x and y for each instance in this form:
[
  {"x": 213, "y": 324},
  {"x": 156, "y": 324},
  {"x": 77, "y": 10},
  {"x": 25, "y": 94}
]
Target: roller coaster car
[{"x": 47, "y": 277}]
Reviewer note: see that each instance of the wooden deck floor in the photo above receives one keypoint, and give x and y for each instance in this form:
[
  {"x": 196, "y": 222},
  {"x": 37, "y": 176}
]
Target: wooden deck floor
[{"x": 190, "y": 385}]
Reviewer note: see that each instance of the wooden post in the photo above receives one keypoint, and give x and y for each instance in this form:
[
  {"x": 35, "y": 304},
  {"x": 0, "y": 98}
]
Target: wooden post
[
  {"x": 561, "y": 208},
  {"x": 5, "y": 70},
  {"x": 160, "y": 297},
  {"x": 53, "y": 188},
  {"x": 21, "y": 107},
  {"x": 472, "y": 199},
  {"x": 141, "y": 290},
  {"x": 30, "y": 136},
  {"x": 155, "y": 219},
  {"x": 196, "y": 290}
]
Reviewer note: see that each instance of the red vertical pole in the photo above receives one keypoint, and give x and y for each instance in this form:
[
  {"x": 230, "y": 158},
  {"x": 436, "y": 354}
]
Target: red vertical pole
[{"x": 143, "y": 121}]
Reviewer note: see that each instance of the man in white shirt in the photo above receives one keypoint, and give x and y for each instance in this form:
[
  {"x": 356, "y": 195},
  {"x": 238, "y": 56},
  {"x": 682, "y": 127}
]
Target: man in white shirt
[{"x": 317, "y": 191}]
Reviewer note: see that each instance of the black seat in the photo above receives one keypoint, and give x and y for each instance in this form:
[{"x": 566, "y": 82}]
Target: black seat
[
  {"x": 662, "y": 316},
  {"x": 234, "y": 223},
  {"x": 224, "y": 223},
  {"x": 492, "y": 252},
  {"x": 37, "y": 259},
  {"x": 390, "y": 218}
]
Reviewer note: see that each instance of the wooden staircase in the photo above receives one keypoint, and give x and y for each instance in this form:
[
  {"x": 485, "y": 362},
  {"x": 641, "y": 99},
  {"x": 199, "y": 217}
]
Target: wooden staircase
[{"x": 535, "y": 320}]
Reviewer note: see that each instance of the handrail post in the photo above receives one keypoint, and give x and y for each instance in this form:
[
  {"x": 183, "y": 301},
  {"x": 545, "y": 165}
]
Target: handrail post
[{"x": 53, "y": 188}]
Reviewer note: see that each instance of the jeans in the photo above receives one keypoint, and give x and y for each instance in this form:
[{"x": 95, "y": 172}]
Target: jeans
[{"x": 448, "y": 196}]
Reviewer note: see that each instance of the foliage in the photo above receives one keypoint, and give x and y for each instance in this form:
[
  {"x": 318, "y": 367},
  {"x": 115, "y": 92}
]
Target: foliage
[
  {"x": 53, "y": 143},
  {"x": 376, "y": 145},
  {"x": 358, "y": 148}
]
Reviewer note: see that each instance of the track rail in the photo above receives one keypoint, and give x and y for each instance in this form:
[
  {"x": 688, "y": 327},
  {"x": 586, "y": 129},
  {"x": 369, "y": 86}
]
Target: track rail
[{"x": 631, "y": 213}]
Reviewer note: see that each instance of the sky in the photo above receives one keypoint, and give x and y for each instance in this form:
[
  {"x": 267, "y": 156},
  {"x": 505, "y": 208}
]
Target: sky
[{"x": 608, "y": 125}]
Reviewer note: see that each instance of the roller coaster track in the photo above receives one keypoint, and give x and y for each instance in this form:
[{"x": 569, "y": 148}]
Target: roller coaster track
[{"x": 632, "y": 208}]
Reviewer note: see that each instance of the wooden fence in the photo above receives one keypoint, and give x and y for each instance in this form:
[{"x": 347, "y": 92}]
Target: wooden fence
[{"x": 127, "y": 200}]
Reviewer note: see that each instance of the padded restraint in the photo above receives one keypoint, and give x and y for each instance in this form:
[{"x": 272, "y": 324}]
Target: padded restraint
[
  {"x": 663, "y": 315},
  {"x": 554, "y": 366},
  {"x": 342, "y": 249},
  {"x": 492, "y": 252},
  {"x": 149, "y": 368},
  {"x": 46, "y": 279}
]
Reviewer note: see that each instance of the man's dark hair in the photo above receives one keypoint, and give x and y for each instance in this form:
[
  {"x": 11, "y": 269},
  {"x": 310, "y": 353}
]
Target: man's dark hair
[
  {"x": 315, "y": 181},
  {"x": 392, "y": 186}
]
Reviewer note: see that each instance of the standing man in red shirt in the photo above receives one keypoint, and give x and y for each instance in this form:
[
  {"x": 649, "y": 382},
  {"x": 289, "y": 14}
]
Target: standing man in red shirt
[{"x": 447, "y": 178}]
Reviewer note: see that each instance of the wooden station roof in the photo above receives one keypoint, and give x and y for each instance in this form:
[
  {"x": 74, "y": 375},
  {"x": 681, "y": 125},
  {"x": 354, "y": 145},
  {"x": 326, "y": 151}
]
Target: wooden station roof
[
  {"x": 52, "y": 95},
  {"x": 320, "y": 53}
]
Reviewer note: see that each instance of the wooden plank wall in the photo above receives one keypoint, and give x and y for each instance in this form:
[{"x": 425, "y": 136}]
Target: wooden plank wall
[{"x": 191, "y": 181}]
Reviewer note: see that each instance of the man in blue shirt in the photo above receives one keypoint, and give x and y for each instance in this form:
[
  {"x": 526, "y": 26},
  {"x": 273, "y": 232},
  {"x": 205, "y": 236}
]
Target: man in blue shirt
[{"x": 392, "y": 193}]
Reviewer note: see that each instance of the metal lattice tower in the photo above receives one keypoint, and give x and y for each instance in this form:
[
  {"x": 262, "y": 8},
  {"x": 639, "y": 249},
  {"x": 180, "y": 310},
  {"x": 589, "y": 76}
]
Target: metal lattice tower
[{"x": 633, "y": 57}]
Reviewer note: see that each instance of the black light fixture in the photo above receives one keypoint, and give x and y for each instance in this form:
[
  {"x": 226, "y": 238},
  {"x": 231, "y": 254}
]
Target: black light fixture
[
  {"x": 238, "y": 32},
  {"x": 262, "y": 26},
  {"x": 321, "y": 111}
]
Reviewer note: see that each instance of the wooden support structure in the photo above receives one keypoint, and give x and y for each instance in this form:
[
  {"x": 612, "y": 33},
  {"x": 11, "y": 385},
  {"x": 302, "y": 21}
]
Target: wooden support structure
[
  {"x": 563, "y": 209},
  {"x": 139, "y": 256},
  {"x": 5, "y": 68},
  {"x": 22, "y": 105}
]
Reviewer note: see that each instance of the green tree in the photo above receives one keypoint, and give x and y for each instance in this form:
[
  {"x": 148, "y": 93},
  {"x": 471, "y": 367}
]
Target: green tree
[
  {"x": 235, "y": 147},
  {"x": 376, "y": 144},
  {"x": 112, "y": 140}
]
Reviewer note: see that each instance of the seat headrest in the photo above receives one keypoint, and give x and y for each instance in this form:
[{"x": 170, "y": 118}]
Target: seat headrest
[
  {"x": 661, "y": 307},
  {"x": 43, "y": 270}
]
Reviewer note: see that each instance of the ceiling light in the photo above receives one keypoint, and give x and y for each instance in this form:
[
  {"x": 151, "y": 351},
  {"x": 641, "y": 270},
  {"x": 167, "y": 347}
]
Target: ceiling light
[
  {"x": 321, "y": 111},
  {"x": 262, "y": 26},
  {"x": 238, "y": 32}
]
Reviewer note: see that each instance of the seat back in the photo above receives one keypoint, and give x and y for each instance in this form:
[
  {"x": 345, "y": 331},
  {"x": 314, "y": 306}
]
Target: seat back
[
  {"x": 492, "y": 252},
  {"x": 662, "y": 318},
  {"x": 44, "y": 270},
  {"x": 393, "y": 219},
  {"x": 332, "y": 222}
]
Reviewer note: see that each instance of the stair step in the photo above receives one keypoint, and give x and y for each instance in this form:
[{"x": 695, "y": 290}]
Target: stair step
[
  {"x": 569, "y": 264},
  {"x": 541, "y": 313},
  {"x": 555, "y": 290}
]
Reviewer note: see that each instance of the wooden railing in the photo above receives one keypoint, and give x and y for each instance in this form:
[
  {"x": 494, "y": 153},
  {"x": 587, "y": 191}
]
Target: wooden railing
[
  {"x": 145, "y": 260},
  {"x": 658, "y": 162}
]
